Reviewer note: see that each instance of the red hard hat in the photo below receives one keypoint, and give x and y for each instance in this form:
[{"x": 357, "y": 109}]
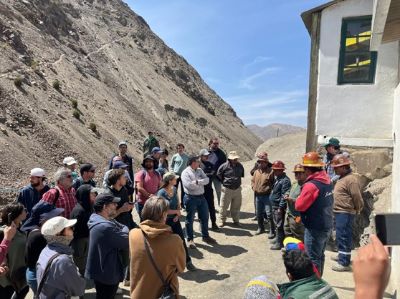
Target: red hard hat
[
  {"x": 340, "y": 160},
  {"x": 278, "y": 165}
]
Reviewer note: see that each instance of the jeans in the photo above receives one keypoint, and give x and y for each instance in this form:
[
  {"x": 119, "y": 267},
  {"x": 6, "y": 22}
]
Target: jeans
[
  {"x": 278, "y": 216},
  {"x": 263, "y": 205},
  {"x": 196, "y": 203},
  {"x": 315, "y": 244},
  {"x": 105, "y": 291},
  {"x": 31, "y": 279},
  {"x": 177, "y": 229},
  {"x": 139, "y": 208},
  {"x": 218, "y": 188},
  {"x": 8, "y": 292},
  {"x": 344, "y": 236}
]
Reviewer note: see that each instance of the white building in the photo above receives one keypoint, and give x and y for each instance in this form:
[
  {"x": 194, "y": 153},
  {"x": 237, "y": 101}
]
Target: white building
[{"x": 354, "y": 91}]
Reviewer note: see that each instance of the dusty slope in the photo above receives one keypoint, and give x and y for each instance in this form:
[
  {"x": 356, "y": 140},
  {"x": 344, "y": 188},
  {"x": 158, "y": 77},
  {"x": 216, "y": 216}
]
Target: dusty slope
[
  {"x": 123, "y": 77},
  {"x": 274, "y": 130}
]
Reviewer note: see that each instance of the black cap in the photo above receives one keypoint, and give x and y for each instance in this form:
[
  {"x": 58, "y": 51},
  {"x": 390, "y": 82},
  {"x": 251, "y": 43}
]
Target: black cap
[
  {"x": 105, "y": 198},
  {"x": 41, "y": 212}
]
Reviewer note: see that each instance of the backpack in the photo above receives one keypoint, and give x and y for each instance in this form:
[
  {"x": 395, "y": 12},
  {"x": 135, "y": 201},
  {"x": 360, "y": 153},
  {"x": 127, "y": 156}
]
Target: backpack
[{"x": 144, "y": 173}]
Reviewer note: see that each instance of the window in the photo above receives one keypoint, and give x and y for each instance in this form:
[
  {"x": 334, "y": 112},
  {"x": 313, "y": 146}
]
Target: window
[{"x": 357, "y": 63}]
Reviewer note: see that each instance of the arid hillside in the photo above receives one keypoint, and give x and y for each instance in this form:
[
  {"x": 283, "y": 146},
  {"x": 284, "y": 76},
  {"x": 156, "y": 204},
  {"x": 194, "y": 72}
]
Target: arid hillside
[{"x": 78, "y": 76}]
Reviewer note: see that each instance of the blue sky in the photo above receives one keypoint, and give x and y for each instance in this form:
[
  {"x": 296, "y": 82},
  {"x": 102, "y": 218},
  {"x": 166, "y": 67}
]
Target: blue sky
[{"x": 254, "y": 54}]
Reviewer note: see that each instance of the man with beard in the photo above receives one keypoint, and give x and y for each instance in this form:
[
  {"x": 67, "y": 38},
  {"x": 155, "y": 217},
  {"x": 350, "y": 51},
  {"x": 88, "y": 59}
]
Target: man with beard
[
  {"x": 107, "y": 238},
  {"x": 87, "y": 174},
  {"x": 147, "y": 183},
  {"x": 32, "y": 193}
]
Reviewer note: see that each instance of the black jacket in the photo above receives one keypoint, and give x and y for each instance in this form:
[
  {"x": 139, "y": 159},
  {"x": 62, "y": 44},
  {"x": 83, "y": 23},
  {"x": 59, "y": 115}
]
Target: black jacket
[
  {"x": 126, "y": 217},
  {"x": 82, "y": 211},
  {"x": 221, "y": 158}
]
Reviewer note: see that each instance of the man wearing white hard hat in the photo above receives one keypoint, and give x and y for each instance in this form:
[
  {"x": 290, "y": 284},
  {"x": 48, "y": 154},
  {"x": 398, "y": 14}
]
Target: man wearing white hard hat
[
  {"x": 32, "y": 193},
  {"x": 71, "y": 164},
  {"x": 61, "y": 279}
]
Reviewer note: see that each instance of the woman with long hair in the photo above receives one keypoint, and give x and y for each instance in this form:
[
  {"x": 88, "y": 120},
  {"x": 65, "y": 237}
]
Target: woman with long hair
[
  {"x": 13, "y": 282},
  {"x": 169, "y": 191}
]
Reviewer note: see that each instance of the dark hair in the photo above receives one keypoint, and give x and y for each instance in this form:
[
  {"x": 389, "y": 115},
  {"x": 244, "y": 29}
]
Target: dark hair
[
  {"x": 192, "y": 159},
  {"x": 312, "y": 169},
  {"x": 298, "y": 264},
  {"x": 114, "y": 175},
  {"x": 11, "y": 212},
  {"x": 154, "y": 208},
  {"x": 166, "y": 152},
  {"x": 180, "y": 144}
]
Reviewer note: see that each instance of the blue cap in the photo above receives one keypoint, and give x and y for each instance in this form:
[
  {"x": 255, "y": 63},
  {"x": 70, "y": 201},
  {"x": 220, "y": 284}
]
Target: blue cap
[
  {"x": 156, "y": 150},
  {"x": 40, "y": 213},
  {"x": 119, "y": 165}
]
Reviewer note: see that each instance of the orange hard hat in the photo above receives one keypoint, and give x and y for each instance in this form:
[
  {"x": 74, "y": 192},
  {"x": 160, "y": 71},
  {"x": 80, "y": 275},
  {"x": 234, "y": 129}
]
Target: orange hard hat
[
  {"x": 340, "y": 160},
  {"x": 312, "y": 159},
  {"x": 278, "y": 165},
  {"x": 262, "y": 155},
  {"x": 298, "y": 168}
]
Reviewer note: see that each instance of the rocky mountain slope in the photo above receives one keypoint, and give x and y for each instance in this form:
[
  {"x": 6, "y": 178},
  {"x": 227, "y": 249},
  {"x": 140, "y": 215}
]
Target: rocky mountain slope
[
  {"x": 77, "y": 76},
  {"x": 274, "y": 130}
]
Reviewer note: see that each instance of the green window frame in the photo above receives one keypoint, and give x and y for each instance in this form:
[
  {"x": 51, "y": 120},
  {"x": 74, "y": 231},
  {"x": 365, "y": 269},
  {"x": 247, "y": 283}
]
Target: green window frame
[{"x": 357, "y": 64}]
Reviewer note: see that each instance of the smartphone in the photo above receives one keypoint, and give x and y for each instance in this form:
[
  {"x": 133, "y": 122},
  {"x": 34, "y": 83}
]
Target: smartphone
[{"x": 387, "y": 228}]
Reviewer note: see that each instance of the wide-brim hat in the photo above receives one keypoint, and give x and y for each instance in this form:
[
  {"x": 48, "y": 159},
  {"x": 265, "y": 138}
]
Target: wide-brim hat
[
  {"x": 233, "y": 155},
  {"x": 69, "y": 161}
]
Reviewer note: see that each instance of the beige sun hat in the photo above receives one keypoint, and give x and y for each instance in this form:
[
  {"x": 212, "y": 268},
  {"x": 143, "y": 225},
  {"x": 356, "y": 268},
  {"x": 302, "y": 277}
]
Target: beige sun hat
[{"x": 233, "y": 155}]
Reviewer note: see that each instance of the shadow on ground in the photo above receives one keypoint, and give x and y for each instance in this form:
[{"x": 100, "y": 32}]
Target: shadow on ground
[
  {"x": 226, "y": 251},
  {"x": 235, "y": 232},
  {"x": 202, "y": 276}
]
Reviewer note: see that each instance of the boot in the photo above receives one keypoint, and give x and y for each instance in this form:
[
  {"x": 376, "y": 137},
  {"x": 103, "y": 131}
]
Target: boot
[
  {"x": 276, "y": 246},
  {"x": 271, "y": 234},
  {"x": 259, "y": 232}
]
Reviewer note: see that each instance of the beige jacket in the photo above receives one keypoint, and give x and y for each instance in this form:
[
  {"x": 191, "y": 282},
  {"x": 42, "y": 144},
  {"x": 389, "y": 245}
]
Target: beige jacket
[{"x": 168, "y": 253}]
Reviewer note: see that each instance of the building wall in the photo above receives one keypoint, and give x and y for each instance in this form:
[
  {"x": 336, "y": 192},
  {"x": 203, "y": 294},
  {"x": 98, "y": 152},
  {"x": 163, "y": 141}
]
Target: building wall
[
  {"x": 396, "y": 185},
  {"x": 359, "y": 114}
]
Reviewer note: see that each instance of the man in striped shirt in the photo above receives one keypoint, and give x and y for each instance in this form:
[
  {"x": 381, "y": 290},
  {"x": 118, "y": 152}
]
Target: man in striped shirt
[{"x": 63, "y": 195}]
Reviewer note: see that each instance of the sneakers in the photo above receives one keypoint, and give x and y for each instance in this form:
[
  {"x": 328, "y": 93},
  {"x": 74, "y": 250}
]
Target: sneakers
[
  {"x": 190, "y": 267},
  {"x": 222, "y": 224},
  {"x": 340, "y": 268},
  {"x": 191, "y": 244},
  {"x": 276, "y": 246},
  {"x": 259, "y": 232},
  {"x": 126, "y": 283},
  {"x": 254, "y": 218},
  {"x": 209, "y": 240},
  {"x": 335, "y": 258},
  {"x": 271, "y": 235}
]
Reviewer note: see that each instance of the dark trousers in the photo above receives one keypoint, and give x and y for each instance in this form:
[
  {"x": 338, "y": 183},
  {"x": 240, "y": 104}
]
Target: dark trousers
[
  {"x": 278, "y": 216},
  {"x": 344, "y": 236},
  {"x": 105, "y": 291},
  {"x": 9, "y": 292},
  {"x": 263, "y": 207},
  {"x": 315, "y": 244},
  {"x": 179, "y": 183},
  {"x": 209, "y": 195},
  {"x": 177, "y": 229}
]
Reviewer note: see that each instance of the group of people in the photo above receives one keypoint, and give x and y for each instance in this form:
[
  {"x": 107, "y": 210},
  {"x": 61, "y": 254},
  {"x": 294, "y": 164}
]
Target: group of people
[{"x": 78, "y": 233}]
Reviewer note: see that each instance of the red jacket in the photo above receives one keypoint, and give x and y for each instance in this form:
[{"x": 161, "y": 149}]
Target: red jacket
[{"x": 309, "y": 191}]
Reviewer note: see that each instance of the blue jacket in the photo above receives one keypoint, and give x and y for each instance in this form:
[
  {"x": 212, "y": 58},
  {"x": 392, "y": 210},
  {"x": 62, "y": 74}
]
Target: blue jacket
[
  {"x": 107, "y": 238},
  {"x": 281, "y": 187},
  {"x": 63, "y": 280},
  {"x": 29, "y": 196}
]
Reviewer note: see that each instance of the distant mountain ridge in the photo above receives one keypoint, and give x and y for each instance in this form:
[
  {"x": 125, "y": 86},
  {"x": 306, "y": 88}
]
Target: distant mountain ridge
[{"x": 274, "y": 130}]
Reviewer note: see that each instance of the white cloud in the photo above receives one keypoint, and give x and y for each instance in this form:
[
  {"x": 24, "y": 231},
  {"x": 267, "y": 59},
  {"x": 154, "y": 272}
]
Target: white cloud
[
  {"x": 258, "y": 60},
  {"x": 248, "y": 81}
]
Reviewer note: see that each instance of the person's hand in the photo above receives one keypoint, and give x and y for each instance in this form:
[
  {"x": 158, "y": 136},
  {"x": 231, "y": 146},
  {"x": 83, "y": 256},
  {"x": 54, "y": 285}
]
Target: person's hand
[
  {"x": 126, "y": 207},
  {"x": 10, "y": 231},
  {"x": 3, "y": 270},
  {"x": 371, "y": 270}
]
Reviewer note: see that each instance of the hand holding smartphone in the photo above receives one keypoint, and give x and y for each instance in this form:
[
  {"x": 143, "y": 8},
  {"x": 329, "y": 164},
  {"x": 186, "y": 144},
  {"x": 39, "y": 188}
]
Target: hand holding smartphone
[{"x": 387, "y": 228}]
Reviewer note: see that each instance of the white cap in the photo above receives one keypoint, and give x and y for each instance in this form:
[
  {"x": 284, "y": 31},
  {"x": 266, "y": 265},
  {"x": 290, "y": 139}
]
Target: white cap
[
  {"x": 39, "y": 172},
  {"x": 69, "y": 161},
  {"x": 204, "y": 152},
  {"x": 55, "y": 225},
  {"x": 123, "y": 143}
]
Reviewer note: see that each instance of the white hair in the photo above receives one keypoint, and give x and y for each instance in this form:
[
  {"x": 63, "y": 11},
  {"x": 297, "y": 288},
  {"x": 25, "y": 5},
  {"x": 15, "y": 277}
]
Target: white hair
[{"x": 61, "y": 173}]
